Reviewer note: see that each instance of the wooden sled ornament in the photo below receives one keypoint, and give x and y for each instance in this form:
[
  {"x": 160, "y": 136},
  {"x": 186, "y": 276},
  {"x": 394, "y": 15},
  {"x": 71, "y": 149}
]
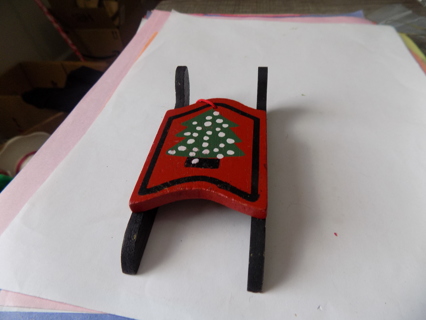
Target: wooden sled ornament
[{"x": 215, "y": 150}]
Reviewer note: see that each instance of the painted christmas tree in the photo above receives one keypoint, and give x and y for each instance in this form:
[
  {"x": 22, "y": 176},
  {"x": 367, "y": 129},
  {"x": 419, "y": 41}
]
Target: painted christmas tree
[{"x": 208, "y": 138}]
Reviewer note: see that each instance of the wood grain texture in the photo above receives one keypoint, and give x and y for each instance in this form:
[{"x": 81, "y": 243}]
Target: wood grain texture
[
  {"x": 258, "y": 226},
  {"x": 135, "y": 240},
  {"x": 257, "y": 255},
  {"x": 182, "y": 87}
]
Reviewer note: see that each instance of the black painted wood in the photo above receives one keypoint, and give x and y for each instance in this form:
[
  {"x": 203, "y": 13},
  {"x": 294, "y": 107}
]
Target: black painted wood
[
  {"x": 182, "y": 87},
  {"x": 140, "y": 223},
  {"x": 135, "y": 240},
  {"x": 204, "y": 163},
  {"x": 262, "y": 86},
  {"x": 258, "y": 226},
  {"x": 257, "y": 255}
]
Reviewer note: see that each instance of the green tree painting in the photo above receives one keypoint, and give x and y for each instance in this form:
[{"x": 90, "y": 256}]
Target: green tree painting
[{"x": 207, "y": 136}]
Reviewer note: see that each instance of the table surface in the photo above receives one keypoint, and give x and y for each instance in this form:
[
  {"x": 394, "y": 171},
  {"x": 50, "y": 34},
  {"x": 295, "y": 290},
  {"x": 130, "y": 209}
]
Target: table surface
[{"x": 280, "y": 6}]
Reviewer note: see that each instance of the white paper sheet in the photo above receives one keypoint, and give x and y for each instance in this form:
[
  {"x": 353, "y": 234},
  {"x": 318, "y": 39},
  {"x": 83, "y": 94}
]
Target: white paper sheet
[{"x": 347, "y": 154}]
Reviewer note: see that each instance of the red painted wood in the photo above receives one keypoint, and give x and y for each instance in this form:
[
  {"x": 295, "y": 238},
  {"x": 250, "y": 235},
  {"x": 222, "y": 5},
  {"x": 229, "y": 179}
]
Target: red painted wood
[{"x": 240, "y": 180}]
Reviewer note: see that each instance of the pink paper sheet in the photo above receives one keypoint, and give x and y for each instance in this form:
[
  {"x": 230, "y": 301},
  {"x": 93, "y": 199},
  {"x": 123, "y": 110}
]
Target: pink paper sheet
[
  {"x": 19, "y": 191},
  {"x": 14, "y": 197},
  {"x": 13, "y": 299}
]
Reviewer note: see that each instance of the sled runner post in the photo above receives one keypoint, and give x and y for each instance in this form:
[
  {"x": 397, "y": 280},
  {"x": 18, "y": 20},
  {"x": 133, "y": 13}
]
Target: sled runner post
[
  {"x": 258, "y": 226},
  {"x": 140, "y": 224},
  {"x": 135, "y": 240},
  {"x": 262, "y": 88},
  {"x": 257, "y": 255},
  {"x": 182, "y": 87}
]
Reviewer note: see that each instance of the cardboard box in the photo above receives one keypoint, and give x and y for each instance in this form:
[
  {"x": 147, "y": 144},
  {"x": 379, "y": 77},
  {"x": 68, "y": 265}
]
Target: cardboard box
[
  {"x": 77, "y": 16},
  {"x": 16, "y": 116},
  {"x": 99, "y": 33},
  {"x": 98, "y": 44}
]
